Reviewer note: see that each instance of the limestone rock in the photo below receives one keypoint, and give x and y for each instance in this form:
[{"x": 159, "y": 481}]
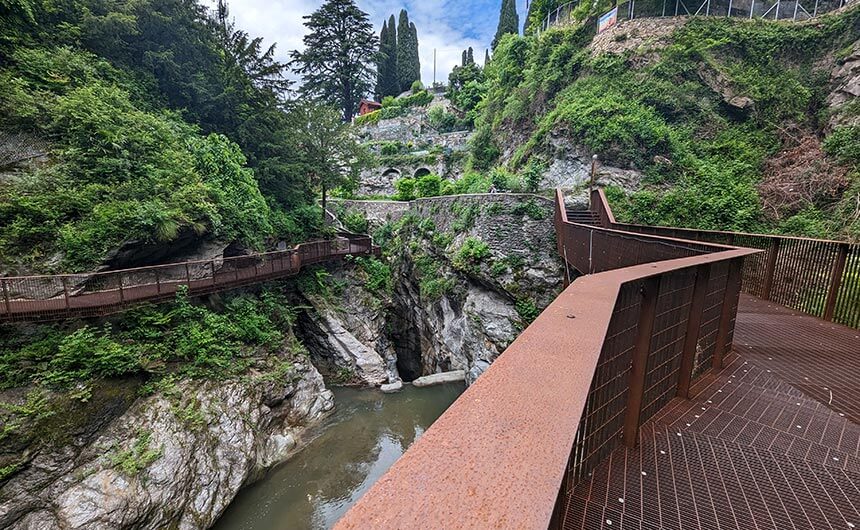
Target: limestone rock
[
  {"x": 390, "y": 388},
  {"x": 169, "y": 461},
  {"x": 453, "y": 376}
]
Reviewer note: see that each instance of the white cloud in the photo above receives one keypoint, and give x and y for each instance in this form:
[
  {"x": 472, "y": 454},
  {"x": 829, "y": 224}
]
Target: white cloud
[{"x": 449, "y": 26}]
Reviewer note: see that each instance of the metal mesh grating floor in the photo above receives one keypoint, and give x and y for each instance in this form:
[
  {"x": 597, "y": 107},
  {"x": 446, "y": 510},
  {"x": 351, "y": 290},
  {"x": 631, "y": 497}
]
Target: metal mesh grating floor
[{"x": 771, "y": 442}]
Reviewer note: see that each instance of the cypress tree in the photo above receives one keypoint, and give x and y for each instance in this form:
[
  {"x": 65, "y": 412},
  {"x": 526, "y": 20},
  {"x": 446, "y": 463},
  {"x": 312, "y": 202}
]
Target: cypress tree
[
  {"x": 386, "y": 80},
  {"x": 486, "y": 57},
  {"x": 470, "y": 56},
  {"x": 408, "y": 64},
  {"x": 509, "y": 21}
]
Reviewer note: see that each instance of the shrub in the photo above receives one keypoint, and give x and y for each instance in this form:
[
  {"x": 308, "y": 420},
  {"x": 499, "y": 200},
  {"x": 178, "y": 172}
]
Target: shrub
[
  {"x": 405, "y": 189},
  {"x": 527, "y": 310},
  {"x": 470, "y": 254},
  {"x": 428, "y": 186},
  {"x": 377, "y": 275},
  {"x": 355, "y": 222},
  {"x": 417, "y": 86}
]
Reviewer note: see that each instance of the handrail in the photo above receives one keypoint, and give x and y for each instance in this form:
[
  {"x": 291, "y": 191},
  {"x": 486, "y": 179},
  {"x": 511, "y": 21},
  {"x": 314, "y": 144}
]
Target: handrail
[
  {"x": 820, "y": 277},
  {"x": 567, "y": 390},
  {"x": 60, "y": 296}
]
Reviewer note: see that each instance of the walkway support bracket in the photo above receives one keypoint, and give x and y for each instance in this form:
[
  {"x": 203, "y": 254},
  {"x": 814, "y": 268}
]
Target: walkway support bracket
[{"x": 644, "y": 330}]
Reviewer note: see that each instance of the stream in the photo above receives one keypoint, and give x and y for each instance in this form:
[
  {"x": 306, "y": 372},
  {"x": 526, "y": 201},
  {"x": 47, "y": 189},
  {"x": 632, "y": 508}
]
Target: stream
[{"x": 345, "y": 455}]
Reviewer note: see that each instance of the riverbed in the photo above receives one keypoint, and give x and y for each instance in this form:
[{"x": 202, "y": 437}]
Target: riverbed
[{"x": 344, "y": 456}]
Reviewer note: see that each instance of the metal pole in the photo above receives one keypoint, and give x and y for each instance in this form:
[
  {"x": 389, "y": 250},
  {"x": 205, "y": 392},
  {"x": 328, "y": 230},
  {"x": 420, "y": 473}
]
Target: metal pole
[
  {"x": 835, "y": 281},
  {"x": 730, "y": 9},
  {"x": 187, "y": 275},
  {"x": 728, "y": 312},
  {"x": 752, "y": 8},
  {"x": 776, "y": 13},
  {"x": 815, "y": 9},
  {"x": 694, "y": 328},
  {"x": 434, "y": 67},
  {"x": 645, "y": 328},
  {"x": 796, "y": 5},
  {"x": 708, "y": 8},
  {"x": 65, "y": 290},
  {"x": 592, "y": 181},
  {"x": 6, "y": 297},
  {"x": 157, "y": 281},
  {"x": 121, "y": 294},
  {"x": 770, "y": 268},
  {"x": 664, "y": 8}
]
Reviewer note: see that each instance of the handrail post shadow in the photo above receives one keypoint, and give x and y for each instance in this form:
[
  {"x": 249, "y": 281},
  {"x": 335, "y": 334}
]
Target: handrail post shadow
[
  {"x": 694, "y": 327},
  {"x": 728, "y": 312},
  {"x": 644, "y": 330},
  {"x": 835, "y": 282}
]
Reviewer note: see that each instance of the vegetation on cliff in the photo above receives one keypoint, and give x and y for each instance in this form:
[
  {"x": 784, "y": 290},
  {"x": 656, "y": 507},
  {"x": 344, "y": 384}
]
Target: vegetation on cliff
[{"x": 705, "y": 116}]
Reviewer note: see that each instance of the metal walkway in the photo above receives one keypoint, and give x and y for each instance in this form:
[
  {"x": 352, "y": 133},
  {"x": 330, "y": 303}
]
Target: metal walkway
[
  {"x": 771, "y": 442},
  {"x": 57, "y": 297}
]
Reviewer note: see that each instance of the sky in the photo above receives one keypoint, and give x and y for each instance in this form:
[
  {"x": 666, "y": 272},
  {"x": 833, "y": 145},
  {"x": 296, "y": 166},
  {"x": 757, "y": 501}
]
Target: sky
[{"x": 449, "y": 26}]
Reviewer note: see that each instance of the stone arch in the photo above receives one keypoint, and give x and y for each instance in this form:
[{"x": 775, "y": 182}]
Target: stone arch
[
  {"x": 421, "y": 171},
  {"x": 391, "y": 174}
]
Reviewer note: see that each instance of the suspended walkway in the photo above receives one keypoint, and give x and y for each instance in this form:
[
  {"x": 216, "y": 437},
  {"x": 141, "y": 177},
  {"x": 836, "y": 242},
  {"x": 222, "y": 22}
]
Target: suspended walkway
[
  {"x": 684, "y": 379},
  {"x": 63, "y": 296}
]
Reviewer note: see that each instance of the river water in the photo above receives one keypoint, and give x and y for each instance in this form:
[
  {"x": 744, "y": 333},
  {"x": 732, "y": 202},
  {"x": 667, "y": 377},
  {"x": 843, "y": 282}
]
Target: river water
[{"x": 350, "y": 450}]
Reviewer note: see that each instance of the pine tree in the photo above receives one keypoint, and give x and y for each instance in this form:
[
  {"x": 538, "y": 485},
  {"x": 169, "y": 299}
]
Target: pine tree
[
  {"x": 470, "y": 56},
  {"x": 486, "y": 57},
  {"x": 509, "y": 21},
  {"x": 408, "y": 64},
  {"x": 386, "y": 63},
  {"x": 337, "y": 64}
]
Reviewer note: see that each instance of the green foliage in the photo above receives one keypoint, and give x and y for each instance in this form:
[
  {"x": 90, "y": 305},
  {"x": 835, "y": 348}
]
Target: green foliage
[
  {"x": 509, "y": 21},
  {"x": 355, "y": 222},
  {"x": 124, "y": 172},
  {"x": 843, "y": 144},
  {"x": 466, "y": 216},
  {"x": 339, "y": 39},
  {"x": 408, "y": 63},
  {"x": 371, "y": 118},
  {"x": 377, "y": 274},
  {"x": 444, "y": 121},
  {"x": 138, "y": 457},
  {"x": 387, "y": 83},
  {"x": 527, "y": 310},
  {"x": 428, "y": 186},
  {"x": 405, "y": 189},
  {"x": 432, "y": 283},
  {"x": 532, "y": 209},
  {"x": 199, "y": 341},
  {"x": 470, "y": 254},
  {"x": 532, "y": 175}
]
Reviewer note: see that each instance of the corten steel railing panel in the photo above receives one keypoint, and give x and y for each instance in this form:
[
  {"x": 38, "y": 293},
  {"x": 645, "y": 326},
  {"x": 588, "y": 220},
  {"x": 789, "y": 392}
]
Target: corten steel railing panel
[
  {"x": 44, "y": 298},
  {"x": 562, "y": 396},
  {"x": 815, "y": 276}
]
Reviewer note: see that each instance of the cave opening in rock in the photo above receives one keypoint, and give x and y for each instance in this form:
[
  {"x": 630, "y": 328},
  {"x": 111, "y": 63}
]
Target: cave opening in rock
[{"x": 407, "y": 345}]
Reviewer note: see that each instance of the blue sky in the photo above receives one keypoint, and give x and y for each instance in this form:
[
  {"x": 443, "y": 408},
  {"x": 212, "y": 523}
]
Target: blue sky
[{"x": 450, "y": 26}]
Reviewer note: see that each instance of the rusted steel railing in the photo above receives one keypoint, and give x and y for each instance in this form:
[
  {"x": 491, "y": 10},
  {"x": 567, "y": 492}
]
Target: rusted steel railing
[
  {"x": 604, "y": 357},
  {"x": 55, "y": 297},
  {"x": 815, "y": 276}
]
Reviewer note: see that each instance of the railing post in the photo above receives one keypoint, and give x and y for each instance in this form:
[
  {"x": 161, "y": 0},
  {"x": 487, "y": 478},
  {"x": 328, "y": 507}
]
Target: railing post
[
  {"x": 65, "y": 290},
  {"x": 187, "y": 276},
  {"x": 212, "y": 268},
  {"x": 6, "y": 296},
  {"x": 121, "y": 293},
  {"x": 729, "y": 310},
  {"x": 835, "y": 281},
  {"x": 157, "y": 281},
  {"x": 694, "y": 326},
  {"x": 770, "y": 267},
  {"x": 644, "y": 329}
]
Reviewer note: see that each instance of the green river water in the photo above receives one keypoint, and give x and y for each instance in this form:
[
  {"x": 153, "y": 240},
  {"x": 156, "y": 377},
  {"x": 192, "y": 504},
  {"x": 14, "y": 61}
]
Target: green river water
[{"x": 348, "y": 452}]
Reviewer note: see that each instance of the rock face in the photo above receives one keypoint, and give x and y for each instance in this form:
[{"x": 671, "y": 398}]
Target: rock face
[
  {"x": 845, "y": 81},
  {"x": 349, "y": 340},
  {"x": 447, "y": 314},
  {"x": 172, "y": 460},
  {"x": 570, "y": 168}
]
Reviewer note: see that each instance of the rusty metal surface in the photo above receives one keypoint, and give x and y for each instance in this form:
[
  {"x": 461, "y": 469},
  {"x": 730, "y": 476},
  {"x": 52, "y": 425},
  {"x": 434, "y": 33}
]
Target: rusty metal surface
[
  {"x": 55, "y": 297},
  {"x": 816, "y": 276},
  {"x": 761, "y": 445},
  {"x": 497, "y": 456}
]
